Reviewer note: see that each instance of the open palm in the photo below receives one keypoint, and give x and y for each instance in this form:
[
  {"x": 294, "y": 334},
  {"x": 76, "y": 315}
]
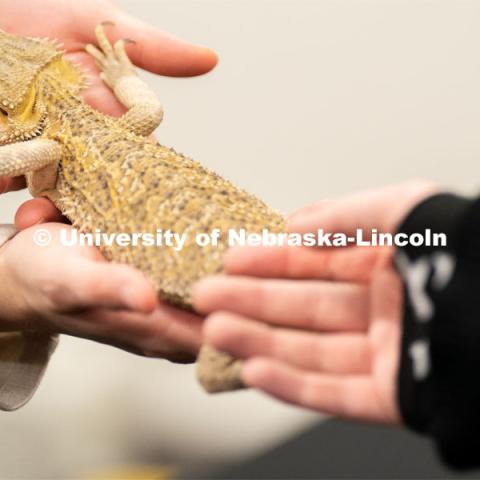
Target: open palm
[
  {"x": 317, "y": 334},
  {"x": 318, "y": 327}
]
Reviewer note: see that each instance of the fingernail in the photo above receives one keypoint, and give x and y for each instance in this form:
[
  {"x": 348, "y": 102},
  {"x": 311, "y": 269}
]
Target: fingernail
[
  {"x": 209, "y": 52},
  {"x": 140, "y": 299}
]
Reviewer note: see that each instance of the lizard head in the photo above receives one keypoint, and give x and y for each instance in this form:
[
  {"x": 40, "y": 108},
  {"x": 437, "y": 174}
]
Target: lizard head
[{"x": 22, "y": 61}]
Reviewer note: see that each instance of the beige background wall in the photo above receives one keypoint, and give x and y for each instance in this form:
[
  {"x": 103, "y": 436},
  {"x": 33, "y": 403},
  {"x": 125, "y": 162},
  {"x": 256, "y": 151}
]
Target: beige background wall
[{"x": 310, "y": 99}]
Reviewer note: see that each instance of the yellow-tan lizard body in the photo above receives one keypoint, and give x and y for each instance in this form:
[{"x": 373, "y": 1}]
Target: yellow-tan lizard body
[{"x": 106, "y": 176}]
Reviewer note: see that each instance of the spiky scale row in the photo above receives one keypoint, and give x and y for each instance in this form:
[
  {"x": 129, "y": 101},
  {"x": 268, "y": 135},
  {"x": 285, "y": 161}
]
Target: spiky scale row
[{"x": 28, "y": 56}]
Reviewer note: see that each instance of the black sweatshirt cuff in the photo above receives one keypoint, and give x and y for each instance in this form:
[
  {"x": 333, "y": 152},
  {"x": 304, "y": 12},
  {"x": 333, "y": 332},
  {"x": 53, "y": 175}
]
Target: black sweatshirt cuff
[{"x": 438, "y": 389}]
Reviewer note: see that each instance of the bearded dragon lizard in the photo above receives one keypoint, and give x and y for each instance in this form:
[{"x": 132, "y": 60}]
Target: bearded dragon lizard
[{"x": 104, "y": 174}]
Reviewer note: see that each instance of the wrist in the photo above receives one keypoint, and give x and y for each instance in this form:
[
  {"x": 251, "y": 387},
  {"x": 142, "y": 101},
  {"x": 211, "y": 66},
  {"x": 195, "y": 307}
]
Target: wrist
[
  {"x": 415, "y": 192},
  {"x": 440, "y": 213},
  {"x": 10, "y": 318}
]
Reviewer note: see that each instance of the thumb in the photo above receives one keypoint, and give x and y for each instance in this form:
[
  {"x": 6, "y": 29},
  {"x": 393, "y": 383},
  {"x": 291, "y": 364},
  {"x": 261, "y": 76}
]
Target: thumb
[
  {"x": 160, "y": 52},
  {"x": 37, "y": 210},
  {"x": 9, "y": 184},
  {"x": 87, "y": 283}
]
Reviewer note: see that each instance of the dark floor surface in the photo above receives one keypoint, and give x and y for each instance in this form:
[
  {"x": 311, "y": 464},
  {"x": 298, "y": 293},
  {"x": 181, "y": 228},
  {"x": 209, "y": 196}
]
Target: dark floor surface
[{"x": 339, "y": 450}]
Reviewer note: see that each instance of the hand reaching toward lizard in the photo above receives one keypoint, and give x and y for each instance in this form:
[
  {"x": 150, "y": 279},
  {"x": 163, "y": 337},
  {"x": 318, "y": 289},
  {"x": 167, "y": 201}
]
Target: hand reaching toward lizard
[
  {"x": 73, "y": 23},
  {"x": 318, "y": 327}
]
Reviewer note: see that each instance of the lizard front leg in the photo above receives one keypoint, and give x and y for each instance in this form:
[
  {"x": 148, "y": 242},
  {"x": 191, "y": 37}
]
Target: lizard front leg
[
  {"x": 36, "y": 159},
  {"x": 145, "y": 111}
]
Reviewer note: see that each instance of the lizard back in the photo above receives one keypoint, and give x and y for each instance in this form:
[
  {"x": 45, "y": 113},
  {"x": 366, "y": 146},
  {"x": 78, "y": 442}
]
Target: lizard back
[{"x": 113, "y": 181}]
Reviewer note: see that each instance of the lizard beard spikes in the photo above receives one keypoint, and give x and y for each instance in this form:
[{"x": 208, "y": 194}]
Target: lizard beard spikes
[{"x": 21, "y": 59}]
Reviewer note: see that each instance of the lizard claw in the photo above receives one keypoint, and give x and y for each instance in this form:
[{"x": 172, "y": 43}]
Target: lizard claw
[
  {"x": 112, "y": 60},
  {"x": 107, "y": 23}
]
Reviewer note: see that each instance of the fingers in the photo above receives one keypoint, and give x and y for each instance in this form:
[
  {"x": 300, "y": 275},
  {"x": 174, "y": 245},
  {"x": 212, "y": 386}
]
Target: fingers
[
  {"x": 331, "y": 353},
  {"x": 10, "y": 184},
  {"x": 114, "y": 286},
  {"x": 386, "y": 308},
  {"x": 180, "y": 328},
  {"x": 302, "y": 262},
  {"x": 37, "y": 210},
  {"x": 352, "y": 397},
  {"x": 80, "y": 283},
  {"x": 313, "y": 207},
  {"x": 165, "y": 332},
  {"x": 380, "y": 209},
  {"x": 323, "y": 306},
  {"x": 162, "y": 53},
  {"x": 157, "y": 51}
]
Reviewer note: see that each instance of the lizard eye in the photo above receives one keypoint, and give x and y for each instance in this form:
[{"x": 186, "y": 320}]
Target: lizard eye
[{"x": 3, "y": 112}]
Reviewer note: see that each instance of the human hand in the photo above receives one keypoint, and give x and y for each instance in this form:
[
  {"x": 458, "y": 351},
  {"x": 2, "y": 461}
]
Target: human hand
[
  {"x": 74, "y": 290},
  {"x": 318, "y": 327},
  {"x": 73, "y": 23}
]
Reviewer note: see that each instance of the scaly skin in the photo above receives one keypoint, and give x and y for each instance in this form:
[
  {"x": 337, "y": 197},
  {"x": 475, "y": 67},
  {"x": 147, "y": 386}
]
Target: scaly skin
[{"x": 109, "y": 178}]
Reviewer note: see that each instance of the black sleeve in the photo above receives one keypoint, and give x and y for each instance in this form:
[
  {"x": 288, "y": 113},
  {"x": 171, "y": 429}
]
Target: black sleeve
[{"x": 439, "y": 374}]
